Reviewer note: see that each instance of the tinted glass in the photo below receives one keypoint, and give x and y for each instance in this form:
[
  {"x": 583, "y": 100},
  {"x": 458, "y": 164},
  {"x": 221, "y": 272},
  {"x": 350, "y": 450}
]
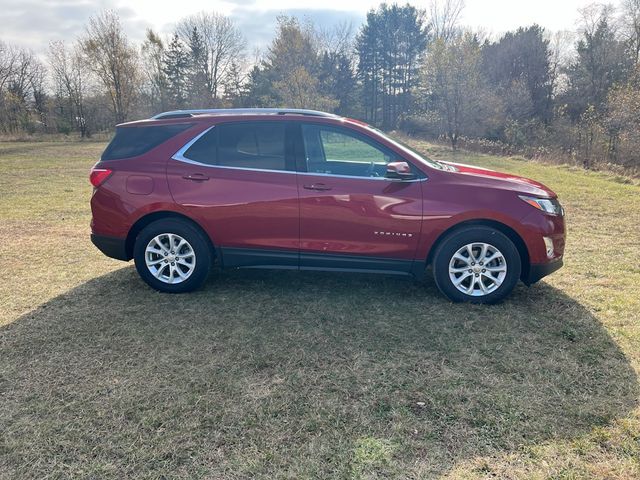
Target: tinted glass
[
  {"x": 242, "y": 145},
  {"x": 252, "y": 145},
  {"x": 133, "y": 141},
  {"x": 340, "y": 152},
  {"x": 204, "y": 149}
]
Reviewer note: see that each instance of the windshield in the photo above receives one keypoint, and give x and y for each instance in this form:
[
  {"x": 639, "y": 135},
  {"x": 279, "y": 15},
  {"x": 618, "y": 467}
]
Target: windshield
[{"x": 411, "y": 151}]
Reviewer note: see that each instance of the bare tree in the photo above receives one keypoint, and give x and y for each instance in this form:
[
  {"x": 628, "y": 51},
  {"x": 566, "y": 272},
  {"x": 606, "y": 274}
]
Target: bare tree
[
  {"x": 445, "y": 15},
  {"x": 561, "y": 45},
  {"x": 592, "y": 16},
  {"x": 631, "y": 27},
  {"x": 339, "y": 39},
  {"x": 114, "y": 61},
  {"x": 38, "y": 85},
  {"x": 21, "y": 88},
  {"x": 222, "y": 43},
  {"x": 68, "y": 74},
  {"x": 25, "y": 67},
  {"x": 453, "y": 80},
  {"x": 153, "y": 56},
  {"x": 8, "y": 60}
]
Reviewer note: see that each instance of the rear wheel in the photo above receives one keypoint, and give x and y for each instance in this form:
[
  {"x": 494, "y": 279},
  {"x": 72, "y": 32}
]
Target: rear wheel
[
  {"x": 172, "y": 256},
  {"x": 476, "y": 264}
]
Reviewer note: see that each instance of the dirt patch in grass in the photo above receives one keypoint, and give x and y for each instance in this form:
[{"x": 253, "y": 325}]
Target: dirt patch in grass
[{"x": 312, "y": 375}]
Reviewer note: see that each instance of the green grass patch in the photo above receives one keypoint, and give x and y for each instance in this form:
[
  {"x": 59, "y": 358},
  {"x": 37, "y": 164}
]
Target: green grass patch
[{"x": 310, "y": 375}]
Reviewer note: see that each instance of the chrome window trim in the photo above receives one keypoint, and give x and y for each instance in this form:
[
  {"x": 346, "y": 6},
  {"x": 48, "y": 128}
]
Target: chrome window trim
[
  {"x": 179, "y": 156},
  {"x": 291, "y": 172},
  {"x": 361, "y": 178}
]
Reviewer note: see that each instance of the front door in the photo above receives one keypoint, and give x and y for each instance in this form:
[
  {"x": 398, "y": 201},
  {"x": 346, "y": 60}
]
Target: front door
[
  {"x": 351, "y": 216},
  {"x": 239, "y": 182}
]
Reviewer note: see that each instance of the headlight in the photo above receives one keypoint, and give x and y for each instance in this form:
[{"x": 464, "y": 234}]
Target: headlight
[{"x": 547, "y": 205}]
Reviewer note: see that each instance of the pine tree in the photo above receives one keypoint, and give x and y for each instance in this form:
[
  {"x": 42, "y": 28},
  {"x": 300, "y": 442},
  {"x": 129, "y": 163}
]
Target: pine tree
[
  {"x": 288, "y": 76},
  {"x": 199, "y": 88},
  {"x": 337, "y": 79},
  {"x": 234, "y": 86},
  {"x": 389, "y": 47},
  {"x": 601, "y": 63},
  {"x": 520, "y": 62},
  {"x": 258, "y": 88},
  {"x": 176, "y": 64},
  {"x": 368, "y": 50}
]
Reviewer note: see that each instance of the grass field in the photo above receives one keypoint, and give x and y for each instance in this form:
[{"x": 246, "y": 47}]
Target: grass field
[{"x": 304, "y": 375}]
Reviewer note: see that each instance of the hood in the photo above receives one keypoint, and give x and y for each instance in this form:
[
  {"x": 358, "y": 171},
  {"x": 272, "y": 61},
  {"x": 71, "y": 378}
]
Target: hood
[{"x": 506, "y": 181}]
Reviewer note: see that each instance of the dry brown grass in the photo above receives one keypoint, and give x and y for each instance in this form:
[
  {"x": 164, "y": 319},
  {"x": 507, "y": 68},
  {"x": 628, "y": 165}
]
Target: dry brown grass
[{"x": 304, "y": 375}]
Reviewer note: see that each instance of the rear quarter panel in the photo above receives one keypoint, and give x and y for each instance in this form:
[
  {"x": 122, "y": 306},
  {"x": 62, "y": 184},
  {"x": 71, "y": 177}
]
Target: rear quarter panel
[{"x": 137, "y": 187}]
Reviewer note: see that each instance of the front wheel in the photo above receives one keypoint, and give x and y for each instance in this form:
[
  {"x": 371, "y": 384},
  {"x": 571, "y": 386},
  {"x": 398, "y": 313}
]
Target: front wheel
[
  {"x": 476, "y": 264},
  {"x": 172, "y": 256}
]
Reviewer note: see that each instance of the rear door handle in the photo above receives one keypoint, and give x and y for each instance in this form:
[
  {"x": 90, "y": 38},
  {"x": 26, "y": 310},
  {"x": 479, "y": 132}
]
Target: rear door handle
[
  {"x": 319, "y": 187},
  {"x": 196, "y": 177}
]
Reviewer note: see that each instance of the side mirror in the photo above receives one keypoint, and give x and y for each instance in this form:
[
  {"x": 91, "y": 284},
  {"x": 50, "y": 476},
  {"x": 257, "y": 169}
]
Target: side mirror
[{"x": 399, "y": 171}]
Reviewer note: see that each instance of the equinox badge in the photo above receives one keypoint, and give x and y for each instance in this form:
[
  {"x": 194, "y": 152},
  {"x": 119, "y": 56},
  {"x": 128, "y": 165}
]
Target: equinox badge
[{"x": 393, "y": 234}]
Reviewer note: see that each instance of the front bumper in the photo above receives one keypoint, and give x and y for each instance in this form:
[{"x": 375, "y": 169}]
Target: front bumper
[
  {"x": 540, "y": 270},
  {"x": 111, "y": 246}
]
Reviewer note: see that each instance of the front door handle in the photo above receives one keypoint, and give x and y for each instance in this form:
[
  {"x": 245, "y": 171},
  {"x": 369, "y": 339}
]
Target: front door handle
[
  {"x": 319, "y": 187},
  {"x": 196, "y": 177}
]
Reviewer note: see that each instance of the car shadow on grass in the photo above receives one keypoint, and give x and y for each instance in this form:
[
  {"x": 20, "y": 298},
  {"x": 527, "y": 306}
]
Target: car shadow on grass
[{"x": 288, "y": 374}]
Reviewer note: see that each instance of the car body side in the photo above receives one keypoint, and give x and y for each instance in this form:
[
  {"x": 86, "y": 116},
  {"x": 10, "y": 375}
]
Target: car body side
[{"x": 139, "y": 191}]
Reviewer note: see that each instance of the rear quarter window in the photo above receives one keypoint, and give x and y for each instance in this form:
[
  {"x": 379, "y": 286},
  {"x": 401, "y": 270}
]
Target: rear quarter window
[{"x": 133, "y": 141}]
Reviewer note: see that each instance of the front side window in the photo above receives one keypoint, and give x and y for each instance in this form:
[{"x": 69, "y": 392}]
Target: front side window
[
  {"x": 242, "y": 145},
  {"x": 337, "y": 151}
]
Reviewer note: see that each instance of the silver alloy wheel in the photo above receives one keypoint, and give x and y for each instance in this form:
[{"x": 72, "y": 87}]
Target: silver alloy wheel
[
  {"x": 170, "y": 258},
  {"x": 477, "y": 269}
]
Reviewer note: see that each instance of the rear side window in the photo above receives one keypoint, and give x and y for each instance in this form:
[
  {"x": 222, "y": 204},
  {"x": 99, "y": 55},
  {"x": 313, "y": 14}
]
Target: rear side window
[
  {"x": 133, "y": 141},
  {"x": 242, "y": 145}
]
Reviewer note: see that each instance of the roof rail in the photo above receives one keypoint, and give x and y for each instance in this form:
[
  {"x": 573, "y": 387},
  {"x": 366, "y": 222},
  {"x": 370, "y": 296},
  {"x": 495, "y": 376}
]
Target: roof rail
[{"x": 241, "y": 111}]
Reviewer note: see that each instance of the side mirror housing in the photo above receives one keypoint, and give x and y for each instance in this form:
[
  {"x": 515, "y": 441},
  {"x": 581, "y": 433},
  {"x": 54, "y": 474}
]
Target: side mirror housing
[{"x": 399, "y": 171}]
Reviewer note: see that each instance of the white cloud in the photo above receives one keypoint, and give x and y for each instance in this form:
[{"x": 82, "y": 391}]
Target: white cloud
[{"x": 34, "y": 23}]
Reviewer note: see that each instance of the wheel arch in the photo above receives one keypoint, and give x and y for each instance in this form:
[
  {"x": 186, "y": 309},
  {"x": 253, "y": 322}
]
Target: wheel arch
[
  {"x": 149, "y": 218},
  {"x": 509, "y": 232}
]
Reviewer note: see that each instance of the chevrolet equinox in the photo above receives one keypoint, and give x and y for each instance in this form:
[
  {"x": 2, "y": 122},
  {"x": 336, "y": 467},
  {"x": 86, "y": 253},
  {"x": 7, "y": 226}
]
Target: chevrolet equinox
[{"x": 307, "y": 190}]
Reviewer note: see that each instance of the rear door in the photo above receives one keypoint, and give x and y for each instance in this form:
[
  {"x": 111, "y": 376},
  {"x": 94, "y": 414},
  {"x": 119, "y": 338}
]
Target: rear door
[
  {"x": 351, "y": 216},
  {"x": 238, "y": 180}
]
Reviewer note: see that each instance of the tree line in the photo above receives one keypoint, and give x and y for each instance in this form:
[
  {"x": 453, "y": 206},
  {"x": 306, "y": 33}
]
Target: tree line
[{"x": 569, "y": 95}]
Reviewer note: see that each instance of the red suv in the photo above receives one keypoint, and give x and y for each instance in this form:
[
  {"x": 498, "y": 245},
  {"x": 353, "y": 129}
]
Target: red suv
[{"x": 307, "y": 190}]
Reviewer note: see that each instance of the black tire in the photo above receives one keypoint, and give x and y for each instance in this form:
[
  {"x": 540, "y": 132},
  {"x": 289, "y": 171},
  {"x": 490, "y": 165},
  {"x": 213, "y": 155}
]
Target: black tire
[
  {"x": 469, "y": 235},
  {"x": 195, "y": 238}
]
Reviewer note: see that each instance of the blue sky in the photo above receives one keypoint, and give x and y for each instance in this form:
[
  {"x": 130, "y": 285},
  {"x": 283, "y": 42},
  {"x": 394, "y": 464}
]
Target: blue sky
[{"x": 33, "y": 23}]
